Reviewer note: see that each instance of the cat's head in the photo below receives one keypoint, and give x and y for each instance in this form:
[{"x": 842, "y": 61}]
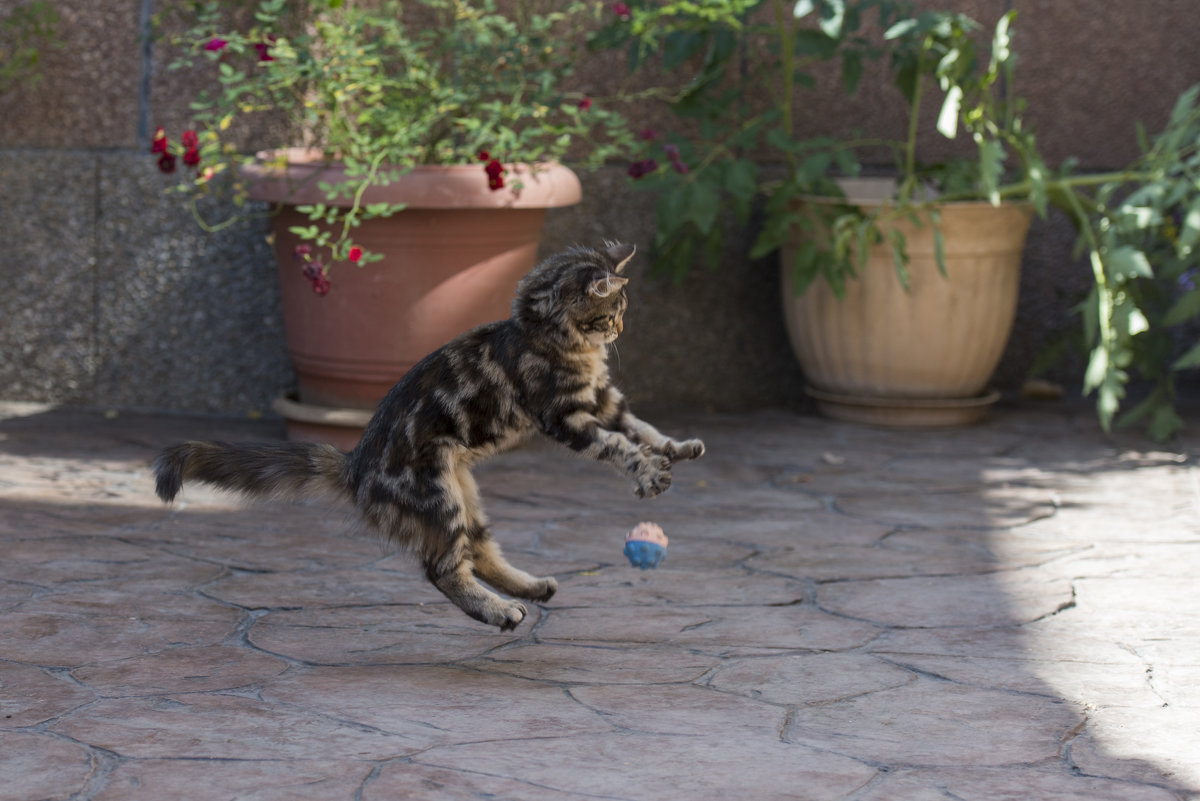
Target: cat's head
[{"x": 579, "y": 294}]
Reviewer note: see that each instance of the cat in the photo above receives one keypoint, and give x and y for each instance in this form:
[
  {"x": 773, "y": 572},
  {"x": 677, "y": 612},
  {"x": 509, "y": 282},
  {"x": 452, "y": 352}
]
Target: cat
[{"x": 543, "y": 370}]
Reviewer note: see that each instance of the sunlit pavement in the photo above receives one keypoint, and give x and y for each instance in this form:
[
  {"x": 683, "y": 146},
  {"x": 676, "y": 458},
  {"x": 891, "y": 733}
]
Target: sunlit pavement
[{"x": 1006, "y": 611}]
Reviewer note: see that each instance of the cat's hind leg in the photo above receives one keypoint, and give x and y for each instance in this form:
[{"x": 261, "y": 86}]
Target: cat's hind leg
[
  {"x": 453, "y": 573},
  {"x": 491, "y": 566},
  {"x": 487, "y": 562}
]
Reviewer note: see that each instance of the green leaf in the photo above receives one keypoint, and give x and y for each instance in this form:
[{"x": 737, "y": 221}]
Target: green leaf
[
  {"x": 814, "y": 167},
  {"x": 1189, "y": 360},
  {"x": 939, "y": 241},
  {"x": 1037, "y": 187},
  {"x": 742, "y": 184},
  {"x": 947, "y": 123},
  {"x": 833, "y": 16},
  {"x": 775, "y": 231},
  {"x": 1185, "y": 308},
  {"x": 1183, "y": 106},
  {"x": 808, "y": 42},
  {"x": 805, "y": 267},
  {"x": 852, "y": 69},
  {"x": 704, "y": 200},
  {"x": 901, "y": 28},
  {"x": 1165, "y": 422},
  {"x": 1096, "y": 370},
  {"x": 1189, "y": 234},
  {"x": 991, "y": 167},
  {"x": 803, "y": 8},
  {"x": 304, "y": 231},
  {"x": 1127, "y": 262},
  {"x": 900, "y": 257}
]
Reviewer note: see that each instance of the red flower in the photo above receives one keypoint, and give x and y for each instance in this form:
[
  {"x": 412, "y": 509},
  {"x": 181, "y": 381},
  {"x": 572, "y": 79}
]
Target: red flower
[
  {"x": 166, "y": 162},
  {"x": 676, "y": 161},
  {"x": 640, "y": 169},
  {"x": 159, "y": 145},
  {"x": 585, "y": 104},
  {"x": 215, "y": 45},
  {"x": 189, "y": 139},
  {"x": 495, "y": 173},
  {"x": 191, "y": 157},
  {"x": 264, "y": 48},
  {"x": 622, "y": 11},
  {"x": 355, "y": 254},
  {"x": 321, "y": 285},
  {"x": 485, "y": 156},
  {"x": 302, "y": 251},
  {"x": 647, "y": 134}
]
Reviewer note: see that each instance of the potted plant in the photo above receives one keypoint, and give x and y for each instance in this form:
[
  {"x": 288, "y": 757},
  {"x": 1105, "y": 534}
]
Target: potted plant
[
  {"x": 416, "y": 147},
  {"x": 845, "y": 260}
]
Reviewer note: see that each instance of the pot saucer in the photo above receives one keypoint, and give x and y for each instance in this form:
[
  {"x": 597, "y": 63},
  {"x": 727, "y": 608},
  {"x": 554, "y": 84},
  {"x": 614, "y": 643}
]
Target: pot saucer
[{"x": 903, "y": 412}]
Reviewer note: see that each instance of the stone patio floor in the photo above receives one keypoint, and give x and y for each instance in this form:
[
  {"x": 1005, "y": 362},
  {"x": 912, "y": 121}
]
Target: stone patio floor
[{"x": 1009, "y": 611}]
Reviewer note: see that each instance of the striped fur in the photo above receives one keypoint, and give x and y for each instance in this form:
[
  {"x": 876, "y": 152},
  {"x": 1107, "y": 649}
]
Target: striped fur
[{"x": 542, "y": 371}]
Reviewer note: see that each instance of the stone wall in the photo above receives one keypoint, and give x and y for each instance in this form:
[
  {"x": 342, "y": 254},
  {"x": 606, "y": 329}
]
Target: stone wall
[{"x": 114, "y": 296}]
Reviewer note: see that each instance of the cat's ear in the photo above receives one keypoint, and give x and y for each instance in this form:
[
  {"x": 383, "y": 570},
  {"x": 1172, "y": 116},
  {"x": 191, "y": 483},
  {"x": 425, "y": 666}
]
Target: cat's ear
[
  {"x": 606, "y": 285},
  {"x": 620, "y": 255}
]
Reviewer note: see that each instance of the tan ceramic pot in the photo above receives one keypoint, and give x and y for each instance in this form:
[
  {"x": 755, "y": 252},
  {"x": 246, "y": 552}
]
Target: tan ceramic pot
[
  {"x": 923, "y": 356},
  {"x": 452, "y": 260}
]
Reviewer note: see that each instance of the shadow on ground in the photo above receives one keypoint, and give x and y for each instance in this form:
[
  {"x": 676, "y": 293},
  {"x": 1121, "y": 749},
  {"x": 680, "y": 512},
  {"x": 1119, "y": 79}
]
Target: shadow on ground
[{"x": 998, "y": 612}]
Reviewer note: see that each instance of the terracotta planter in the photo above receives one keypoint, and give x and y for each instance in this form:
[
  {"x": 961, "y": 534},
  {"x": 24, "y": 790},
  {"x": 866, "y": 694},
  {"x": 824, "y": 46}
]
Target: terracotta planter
[
  {"x": 919, "y": 357},
  {"x": 452, "y": 260}
]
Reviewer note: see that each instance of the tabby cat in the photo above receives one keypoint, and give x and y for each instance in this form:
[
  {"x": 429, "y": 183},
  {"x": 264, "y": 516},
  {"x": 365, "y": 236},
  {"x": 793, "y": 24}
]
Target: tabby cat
[{"x": 410, "y": 476}]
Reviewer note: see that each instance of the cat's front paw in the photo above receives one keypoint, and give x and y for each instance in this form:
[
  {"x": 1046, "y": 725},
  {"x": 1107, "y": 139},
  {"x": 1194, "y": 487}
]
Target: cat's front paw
[
  {"x": 688, "y": 449},
  {"x": 653, "y": 477}
]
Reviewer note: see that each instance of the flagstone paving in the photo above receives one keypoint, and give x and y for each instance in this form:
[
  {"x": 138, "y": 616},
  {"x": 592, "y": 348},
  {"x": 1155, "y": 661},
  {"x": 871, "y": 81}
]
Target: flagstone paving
[{"x": 1009, "y": 611}]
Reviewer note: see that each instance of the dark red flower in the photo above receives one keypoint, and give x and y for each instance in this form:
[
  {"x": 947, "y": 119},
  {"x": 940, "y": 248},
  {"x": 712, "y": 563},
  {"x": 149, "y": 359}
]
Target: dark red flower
[
  {"x": 191, "y": 157},
  {"x": 215, "y": 45},
  {"x": 159, "y": 145},
  {"x": 264, "y": 48},
  {"x": 585, "y": 104},
  {"x": 302, "y": 251},
  {"x": 640, "y": 169},
  {"x": 647, "y": 134},
  {"x": 485, "y": 156},
  {"x": 495, "y": 173},
  {"x": 321, "y": 285},
  {"x": 189, "y": 139},
  {"x": 166, "y": 162},
  {"x": 622, "y": 11},
  {"x": 676, "y": 161},
  {"x": 355, "y": 254}
]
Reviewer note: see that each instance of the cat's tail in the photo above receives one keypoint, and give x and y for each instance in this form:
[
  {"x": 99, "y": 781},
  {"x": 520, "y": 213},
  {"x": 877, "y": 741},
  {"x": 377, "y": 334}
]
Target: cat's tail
[{"x": 257, "y": 469}]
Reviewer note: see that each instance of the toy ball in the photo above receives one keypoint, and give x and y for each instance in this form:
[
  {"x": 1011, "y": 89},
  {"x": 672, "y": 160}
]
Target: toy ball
[{"x": 646, "y": 546}]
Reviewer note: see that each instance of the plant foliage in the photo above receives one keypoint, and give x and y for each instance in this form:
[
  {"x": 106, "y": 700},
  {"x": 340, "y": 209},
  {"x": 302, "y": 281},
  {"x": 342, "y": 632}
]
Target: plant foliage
[
  {"x": 383, "y": 86},
  {"x": 1139, "y": 226}
]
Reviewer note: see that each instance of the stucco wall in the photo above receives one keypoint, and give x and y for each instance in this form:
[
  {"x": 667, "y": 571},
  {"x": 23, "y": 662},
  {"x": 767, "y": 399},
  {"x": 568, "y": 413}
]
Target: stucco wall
[{"x": 114, "y": 297}]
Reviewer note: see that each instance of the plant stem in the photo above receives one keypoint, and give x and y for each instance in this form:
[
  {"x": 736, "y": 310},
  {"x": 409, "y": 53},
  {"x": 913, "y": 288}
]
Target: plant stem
[
  {"x": 908, "y": 189},
  {"x": 1069, "y": 183},
  {"x": 787, "y": 55}
]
